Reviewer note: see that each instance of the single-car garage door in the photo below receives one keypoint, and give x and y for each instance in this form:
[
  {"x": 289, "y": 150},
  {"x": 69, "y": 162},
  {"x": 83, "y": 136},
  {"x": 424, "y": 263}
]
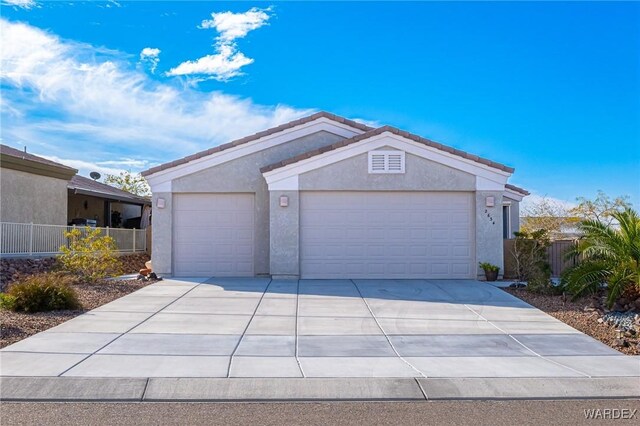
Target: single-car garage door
[
  {"x": 213, "y": 234},
  {"x": 386, "y": 235}
]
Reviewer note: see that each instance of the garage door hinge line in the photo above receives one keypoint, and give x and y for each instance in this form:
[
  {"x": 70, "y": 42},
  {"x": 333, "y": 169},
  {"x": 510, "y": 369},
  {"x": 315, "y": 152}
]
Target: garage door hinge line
[
  {"x": 523, "y": 345},
  {"x": 384, "y": 333},
  {"x": 247, "y": 327}
]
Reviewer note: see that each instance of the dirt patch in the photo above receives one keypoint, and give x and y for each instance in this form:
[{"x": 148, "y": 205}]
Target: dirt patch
[
  {"x": 580, "y": 315},
  {"x": 15, "y": 326}
]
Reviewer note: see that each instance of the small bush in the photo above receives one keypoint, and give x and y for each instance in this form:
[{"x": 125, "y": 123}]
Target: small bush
[
  {"x": 89, "y": 255},
  {"x": 486, "y": 266},
  {"x": 7, "y": 301},
  {"x": 43, "y": 292}
]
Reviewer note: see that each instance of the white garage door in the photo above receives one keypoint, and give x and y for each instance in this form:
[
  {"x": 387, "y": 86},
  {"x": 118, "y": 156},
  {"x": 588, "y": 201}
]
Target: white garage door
[
  {"x": 386, "y": 235},
  {"x": 213, "y": 234}
]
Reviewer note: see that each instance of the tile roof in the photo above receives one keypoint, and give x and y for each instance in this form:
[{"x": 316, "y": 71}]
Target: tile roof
[
  {"x": 92, "y": 187},
  {"x": 246, "y": 139},
  {"x": 517, "y": 189},
  {"x": 12, "y": 152},
  {"x": 378, "y": 131}
]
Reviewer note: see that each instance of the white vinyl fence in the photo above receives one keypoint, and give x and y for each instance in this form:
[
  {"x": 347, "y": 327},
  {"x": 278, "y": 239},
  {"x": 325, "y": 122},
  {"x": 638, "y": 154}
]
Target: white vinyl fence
[{"x": 28, "y": 239}]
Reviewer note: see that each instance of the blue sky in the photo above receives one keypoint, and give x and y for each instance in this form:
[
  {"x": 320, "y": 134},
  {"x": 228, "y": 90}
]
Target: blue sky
[{"x": 552, "y": 89}]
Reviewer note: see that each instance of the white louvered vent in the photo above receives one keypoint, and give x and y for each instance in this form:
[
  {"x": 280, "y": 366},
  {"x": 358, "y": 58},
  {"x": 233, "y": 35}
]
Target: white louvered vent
[{"x": 386, "y": 161}]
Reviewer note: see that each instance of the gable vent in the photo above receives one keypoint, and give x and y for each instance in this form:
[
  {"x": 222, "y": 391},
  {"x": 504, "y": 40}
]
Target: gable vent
[{"x": 386, "y": 161}]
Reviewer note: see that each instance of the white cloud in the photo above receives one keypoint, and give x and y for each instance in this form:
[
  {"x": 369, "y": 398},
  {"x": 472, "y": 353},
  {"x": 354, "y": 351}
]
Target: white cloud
[
  {"x": 222, "y": 66},
  {"x": 86, "y": 167},
  {"x": 150, "y": 56},
  {"x": 74, "y": 101},
  {"x": 232, "y": 26},
  {"x": 227, "y": 61},
  {"x": 25, "y": 4}
]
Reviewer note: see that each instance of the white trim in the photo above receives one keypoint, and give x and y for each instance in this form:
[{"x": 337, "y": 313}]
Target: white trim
[
  {"x": 288, "y": 184},
  {"x": 269, "y": 141},
  {"x": 497, "y": 177},
  {"x": 484, "y": 184},
  {"x": 515, "y": 196},
  {"x": 385, "y": 158}
]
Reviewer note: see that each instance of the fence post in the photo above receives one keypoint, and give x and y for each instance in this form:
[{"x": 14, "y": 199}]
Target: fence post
[
  {"x": 31, "y": 239},
  {"x": 134, "y": 239},
  {"x": 107, "y": 231}
]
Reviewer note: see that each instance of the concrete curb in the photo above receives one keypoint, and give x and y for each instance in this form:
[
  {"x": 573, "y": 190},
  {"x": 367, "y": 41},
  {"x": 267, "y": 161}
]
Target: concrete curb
[{"x": 52, "y": 389}]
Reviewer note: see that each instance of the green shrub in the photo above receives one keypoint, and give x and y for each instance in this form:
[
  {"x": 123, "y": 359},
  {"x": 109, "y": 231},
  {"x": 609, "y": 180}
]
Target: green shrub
[
  {"x": 89, "y": 255},
  {"x": 486, "y": 266},
  {"x": 609, "y": 256},
  {"x": 7, "y": 301},
  {"x": 42, "y": 292},
  {"x": 530, "y": 257}
]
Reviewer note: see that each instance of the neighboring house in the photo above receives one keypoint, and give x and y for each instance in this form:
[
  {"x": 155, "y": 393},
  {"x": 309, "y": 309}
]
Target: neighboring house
[
  {"x": 32, "y": 189},
  {"x": 36, "y": 190},
  {"x": 108, "y": 206},
  {"x": 327, "y": 197}
]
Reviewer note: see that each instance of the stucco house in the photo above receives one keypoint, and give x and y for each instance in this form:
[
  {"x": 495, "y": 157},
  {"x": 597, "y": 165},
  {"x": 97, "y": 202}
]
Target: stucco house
[
  {"x": 328, "y": 197},
  {"x": 32, "y": 189},
  {"x": 36, "y": 190}
]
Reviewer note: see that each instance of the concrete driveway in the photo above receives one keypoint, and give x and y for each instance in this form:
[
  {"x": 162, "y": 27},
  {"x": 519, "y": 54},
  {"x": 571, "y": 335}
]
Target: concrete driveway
[{"x": 257, "y": 327}]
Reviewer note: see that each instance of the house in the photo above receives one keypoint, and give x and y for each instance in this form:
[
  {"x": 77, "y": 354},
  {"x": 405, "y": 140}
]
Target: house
[
  {"x": 32, "y": 189},
  {"x": 40, "y": 191},
  {"x": 328, "y": 197},
  {"x": 105, "y": 204}
]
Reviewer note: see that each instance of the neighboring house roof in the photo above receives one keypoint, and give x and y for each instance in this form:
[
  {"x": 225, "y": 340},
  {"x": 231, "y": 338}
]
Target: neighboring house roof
[
  {"x": 246, "y": 139},
  {"x": 517, "y": 189},
  {"x": 82, "y": 185},
  {"x": 12, "y": 158},
  {"x": 378, "y": 131}
]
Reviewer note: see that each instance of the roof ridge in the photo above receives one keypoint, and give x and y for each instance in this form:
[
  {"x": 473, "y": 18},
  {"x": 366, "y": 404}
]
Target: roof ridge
[{"x": 258, "y": 135}]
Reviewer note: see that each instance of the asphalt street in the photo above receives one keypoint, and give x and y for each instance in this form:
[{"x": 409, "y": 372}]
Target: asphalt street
[{"x": 474, "y": 413}]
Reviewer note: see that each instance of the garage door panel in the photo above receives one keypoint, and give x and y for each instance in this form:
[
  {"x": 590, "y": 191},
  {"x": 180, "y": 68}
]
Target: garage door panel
[
  {"x": 386, "y": 235},
  {"x": 213, "y": 234}
]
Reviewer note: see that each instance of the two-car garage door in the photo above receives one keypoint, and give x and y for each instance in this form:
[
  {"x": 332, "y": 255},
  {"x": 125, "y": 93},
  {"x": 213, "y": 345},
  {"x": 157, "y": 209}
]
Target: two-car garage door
[{"x": 386, "y": 235}]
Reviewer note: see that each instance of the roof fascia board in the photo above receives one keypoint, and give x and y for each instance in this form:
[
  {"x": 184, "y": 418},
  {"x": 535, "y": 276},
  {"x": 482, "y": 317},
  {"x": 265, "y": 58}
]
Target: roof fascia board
[
  {"x": 36, "y": 168},
  {"x": 516, "y": 196},
  {"x": 106, "y": 196},
  {"x": 395, "y": 141},
  {"x": 266, "y": 142}
]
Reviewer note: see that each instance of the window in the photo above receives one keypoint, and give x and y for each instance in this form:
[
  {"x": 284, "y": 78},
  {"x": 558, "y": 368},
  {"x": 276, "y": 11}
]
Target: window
[
  {"x": 506, "y": 222},
  {"x": 386, "y": 161}
]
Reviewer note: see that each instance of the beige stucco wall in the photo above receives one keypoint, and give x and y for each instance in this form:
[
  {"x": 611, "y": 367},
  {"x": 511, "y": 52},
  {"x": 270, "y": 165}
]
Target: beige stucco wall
[
  {"x": 489, "y": 246},
  {"x": 240, "y": 175},
  {"x": 26, "y": 198},
  {"x": 277, "y": 228},
  {"x": 420, "y": 175}
]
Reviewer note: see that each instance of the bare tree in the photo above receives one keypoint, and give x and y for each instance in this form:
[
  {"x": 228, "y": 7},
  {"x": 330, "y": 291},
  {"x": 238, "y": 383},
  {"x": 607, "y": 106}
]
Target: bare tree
[
  {"x": 549, "y": 215},
  {"x": 601, "y": 209}
]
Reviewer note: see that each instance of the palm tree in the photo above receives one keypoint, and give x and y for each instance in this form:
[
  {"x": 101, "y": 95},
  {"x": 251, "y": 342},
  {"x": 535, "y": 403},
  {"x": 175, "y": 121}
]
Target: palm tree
[{"x": 609, "y": 256}]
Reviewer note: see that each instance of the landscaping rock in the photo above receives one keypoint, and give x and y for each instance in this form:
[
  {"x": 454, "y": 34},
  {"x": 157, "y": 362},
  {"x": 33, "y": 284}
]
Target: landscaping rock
[
  {"x": 621, "y": 320},
  {"x": 620, "y": 343},
  {"x": 12, "y": 269}
]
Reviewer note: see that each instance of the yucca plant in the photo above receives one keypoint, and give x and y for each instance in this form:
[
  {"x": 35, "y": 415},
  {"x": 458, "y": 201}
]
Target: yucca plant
[{"x": 609, "y": 255}]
